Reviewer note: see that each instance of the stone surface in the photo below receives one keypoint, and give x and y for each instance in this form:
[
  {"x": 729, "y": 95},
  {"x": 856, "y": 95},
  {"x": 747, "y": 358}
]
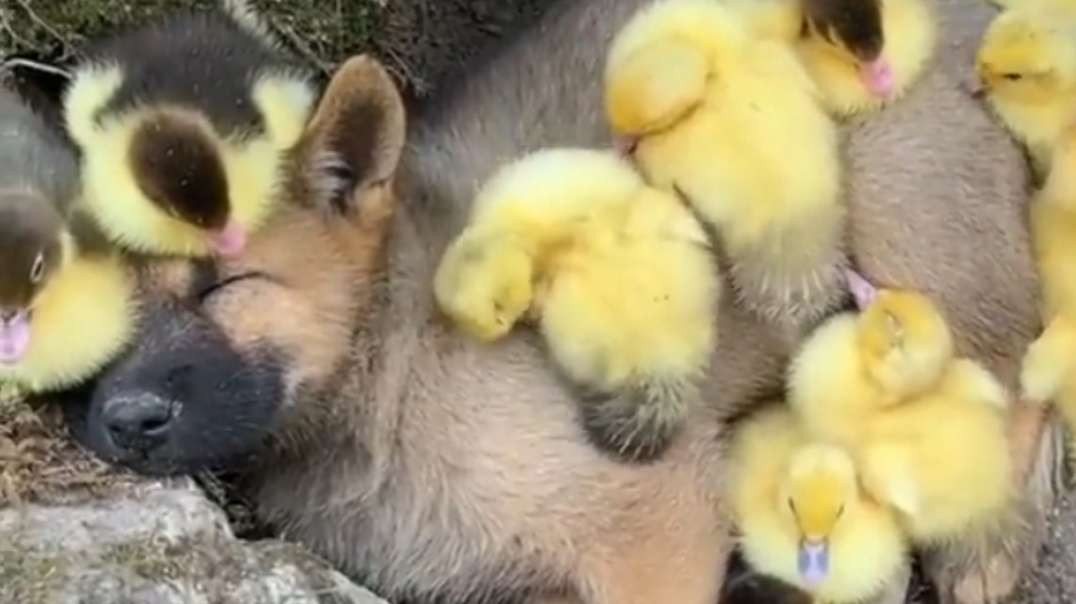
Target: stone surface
[{"x": 154, "y": 543}]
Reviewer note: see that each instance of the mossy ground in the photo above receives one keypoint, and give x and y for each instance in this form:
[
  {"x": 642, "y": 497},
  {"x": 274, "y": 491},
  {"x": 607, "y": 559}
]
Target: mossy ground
[
  {"x": 56, "y": 28},
  {"x": 39, "y": 463},
  {"x": 25, "y": 578},
  {"x": 419, "y": 40}
]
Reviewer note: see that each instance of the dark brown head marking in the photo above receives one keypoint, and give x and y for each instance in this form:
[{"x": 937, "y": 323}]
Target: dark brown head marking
[
  {"x": 855, "y": 24},
  {"x": 180, "y": 170},
  {"x": 30, "y": 246}
]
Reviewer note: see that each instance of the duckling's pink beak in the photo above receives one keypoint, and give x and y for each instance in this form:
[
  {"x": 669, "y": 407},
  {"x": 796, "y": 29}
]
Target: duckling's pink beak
[
  {"x": 813, "y": 561},
  {"x": 863, "y": 291},
  {"x": 230, "y": 240},
  {"x": 878, "y": 76},
  {"x": 14, "y": 337}
]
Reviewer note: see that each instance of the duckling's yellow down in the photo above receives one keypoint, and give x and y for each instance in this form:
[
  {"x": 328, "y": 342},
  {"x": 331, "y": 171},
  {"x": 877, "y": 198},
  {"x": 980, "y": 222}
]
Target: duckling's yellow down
[
  {"x": 886, "y": 386},
  {"x": 1049, "y": 366},
  {"x": 1026, "y": 63},
  {"x": 619, "y": 275},
  {"x": 80, "y": 321},
  {"x": 910, "y": 31},
  {"x": 111, "y": 193},
  {"x": 733, "y": 123},
  {"x": 785, "y": 485}
]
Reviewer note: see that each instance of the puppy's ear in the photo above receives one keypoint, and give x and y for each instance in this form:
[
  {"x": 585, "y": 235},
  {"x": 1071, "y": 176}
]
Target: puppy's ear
[{"x": 351, "y": 146}]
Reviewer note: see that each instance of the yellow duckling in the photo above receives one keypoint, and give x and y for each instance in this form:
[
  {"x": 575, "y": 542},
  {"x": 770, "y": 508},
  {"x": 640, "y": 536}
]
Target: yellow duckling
[
  {"x": 1049, "y": 367},
  {"x": 66, "y": 297},
  {"x": 857, "y": 68},
  {"x": 619, "y": 275},
  {"x": 891, "y": 391},
  {"x": 803, "y": 517},
  {"x": 1026, "y": 65},
  {"x": 733, "y": 123},
  {"x": 861, "y": 54}
]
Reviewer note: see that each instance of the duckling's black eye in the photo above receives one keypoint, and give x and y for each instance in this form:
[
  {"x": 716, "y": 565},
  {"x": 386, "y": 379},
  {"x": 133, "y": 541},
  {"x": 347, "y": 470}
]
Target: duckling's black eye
[
  {"x": 792, "y": 505},
  {"x": 1012, "y": 76},
  {"x": 37, "y": 271},
  {"x": 840, "y": 511}
]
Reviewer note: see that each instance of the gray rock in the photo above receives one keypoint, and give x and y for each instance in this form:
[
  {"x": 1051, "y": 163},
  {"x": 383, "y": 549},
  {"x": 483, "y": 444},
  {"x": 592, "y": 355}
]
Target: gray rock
[
  {"x": 166, "y": 543},
  {"x": 159, "y": 543}
]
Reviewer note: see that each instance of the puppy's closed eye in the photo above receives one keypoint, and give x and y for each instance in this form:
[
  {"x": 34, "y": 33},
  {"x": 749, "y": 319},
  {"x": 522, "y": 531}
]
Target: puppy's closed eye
[{"x": 220, "y": 285}]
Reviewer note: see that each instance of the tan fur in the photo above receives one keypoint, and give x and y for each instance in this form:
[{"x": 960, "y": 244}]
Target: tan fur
[{"x": 428, "y": 464}]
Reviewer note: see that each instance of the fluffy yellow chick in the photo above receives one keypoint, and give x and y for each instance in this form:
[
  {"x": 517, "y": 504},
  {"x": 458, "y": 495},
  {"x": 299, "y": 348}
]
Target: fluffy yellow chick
[
  {"x": 850, "y": 366},
  {"x": 184, "y": 128},
  {"x": 857, "y": 70},
  {"x": 947, "y": 484},
  {"x": 1026, "y": 65},
  {"x": 802, "y": 515},
  {"x": 733, "y": 123},
  {"x": 861, "y": 54},
  {"x": 93, "y": 297},
  {"x": 1049, "y": 368},
  {"x": 619, "y": 275},
  {"x": 66, "y": 297},
  {"x": 891, "y": 391}
]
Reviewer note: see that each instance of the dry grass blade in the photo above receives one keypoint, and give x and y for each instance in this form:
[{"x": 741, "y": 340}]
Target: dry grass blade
[{"x": 40, "y": 463}]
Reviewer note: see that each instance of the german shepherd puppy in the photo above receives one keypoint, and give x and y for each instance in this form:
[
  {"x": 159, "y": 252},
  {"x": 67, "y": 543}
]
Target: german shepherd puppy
[{"x": 435, "y": 469}]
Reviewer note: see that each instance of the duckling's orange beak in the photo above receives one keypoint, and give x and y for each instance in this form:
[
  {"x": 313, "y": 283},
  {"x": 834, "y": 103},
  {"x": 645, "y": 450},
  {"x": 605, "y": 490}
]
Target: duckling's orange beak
[
  {"x": 813, "y": 561},
  {"x": 878, "y": 76}
]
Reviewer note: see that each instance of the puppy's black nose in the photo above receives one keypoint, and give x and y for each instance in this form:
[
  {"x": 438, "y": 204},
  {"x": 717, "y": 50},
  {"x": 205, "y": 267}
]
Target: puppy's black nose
[{"x": 138, "y": 423}]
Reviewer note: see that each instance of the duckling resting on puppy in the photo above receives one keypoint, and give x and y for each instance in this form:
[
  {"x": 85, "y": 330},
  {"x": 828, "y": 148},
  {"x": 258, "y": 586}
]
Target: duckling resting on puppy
[
  {"x": 885, "y": 384},
  {"x": 66, "y": 298},
  {"x": 861, "y": 54},
  {"x": 184, "y": 126},
  {"x": 803, "y": 516},
  {"x": 618, "y": 274},
  {"x": 732, "y": 122}
]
